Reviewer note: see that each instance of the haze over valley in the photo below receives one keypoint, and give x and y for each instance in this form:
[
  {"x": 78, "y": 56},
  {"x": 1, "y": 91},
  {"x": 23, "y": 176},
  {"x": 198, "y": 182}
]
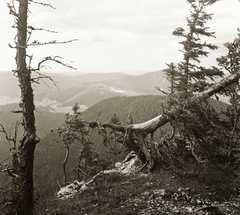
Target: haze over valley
[{"x": 84, "y": 89}]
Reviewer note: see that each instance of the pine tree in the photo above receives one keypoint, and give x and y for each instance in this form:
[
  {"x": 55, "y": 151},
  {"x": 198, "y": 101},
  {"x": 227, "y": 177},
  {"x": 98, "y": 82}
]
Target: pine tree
[
  {"x": 75, "y": 130},
  {"x": 172, "y": 75},
  {"x": 231, "y": 63},
  {"x": 193, "y": 75},
  {"x": 199, "y": 123}
]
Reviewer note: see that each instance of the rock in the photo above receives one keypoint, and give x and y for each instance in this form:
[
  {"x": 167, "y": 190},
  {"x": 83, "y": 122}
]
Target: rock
[
  {"x": 70, "y": 190},
  {"x": 189, "y": 209},
  {"x": 130, "y": 165},
  {"x": 159, "y": 192}
]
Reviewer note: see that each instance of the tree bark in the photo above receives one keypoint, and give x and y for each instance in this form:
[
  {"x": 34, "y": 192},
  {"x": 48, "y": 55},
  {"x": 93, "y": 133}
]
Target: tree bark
[
  {"x": 64, "y": 164},
  {"x": 141, "y": 130},
  {"x": 24, "y": 156}
]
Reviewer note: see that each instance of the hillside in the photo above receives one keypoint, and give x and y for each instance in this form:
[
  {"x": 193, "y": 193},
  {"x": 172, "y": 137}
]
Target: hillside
[
  {"x": 162, "y": 192},
  {"x": 86, "y": 89},
  {"x": 49, "y": 156},
  {"x": 150, "y": 107},
  {"x": 45, "y": 120},
  {"x": 142, "y": 108},
  {"x": 91, "y": 92}
]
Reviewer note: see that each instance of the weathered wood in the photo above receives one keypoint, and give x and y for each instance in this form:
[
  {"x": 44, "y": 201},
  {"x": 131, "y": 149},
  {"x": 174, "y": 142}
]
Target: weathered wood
[
  {"x": 141, "y": 130},
  {"x": 151, "y": 125},
  {"x": 23, "y": 159}
]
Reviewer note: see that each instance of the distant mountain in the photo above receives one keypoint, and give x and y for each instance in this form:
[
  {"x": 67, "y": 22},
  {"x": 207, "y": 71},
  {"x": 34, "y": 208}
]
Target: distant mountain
[
  {"x": 9, "y": 84},
  {"x": 90, "y": 92},
  {"x": 86, "y": 89}
]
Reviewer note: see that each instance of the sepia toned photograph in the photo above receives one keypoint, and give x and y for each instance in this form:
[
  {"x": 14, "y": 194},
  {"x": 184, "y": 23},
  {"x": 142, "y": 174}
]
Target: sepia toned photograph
[{"x": 120, "y": 107}]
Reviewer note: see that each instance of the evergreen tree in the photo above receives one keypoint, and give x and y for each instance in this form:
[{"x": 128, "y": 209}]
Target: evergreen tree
[
  {"x": 193, "y": 75},
  {"x": 75, "y": 130},
  {"x": 231, "y": 63},
  {"x": 199, "y": 124},
  {"x": 115, "y": 119},
  {"x": 172, "y": 75}
]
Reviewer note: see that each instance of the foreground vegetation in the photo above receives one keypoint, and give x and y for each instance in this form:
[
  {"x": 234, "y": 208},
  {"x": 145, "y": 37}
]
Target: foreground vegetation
[
  {"x": 203, "y": 181},
  {"x": 162, "y": 192}
]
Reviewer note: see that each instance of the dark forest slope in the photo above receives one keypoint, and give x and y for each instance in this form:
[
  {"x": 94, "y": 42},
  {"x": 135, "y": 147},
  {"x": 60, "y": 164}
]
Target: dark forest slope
[{"x": 50, "y": 155}]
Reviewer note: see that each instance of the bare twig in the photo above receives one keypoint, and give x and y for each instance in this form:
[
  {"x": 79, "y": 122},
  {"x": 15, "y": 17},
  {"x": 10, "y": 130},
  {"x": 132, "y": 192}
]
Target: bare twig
[
  {"x": 5, "y": 159},
  {"x": 99, "y": 114},
  {"x": 6, "y": 204},
  {"x": 168, "y": 94},
  {"x": 41, "y": 77},
  {"x": 12, "y": 9},
  {"x": 83, "y": 172},
  {"x": 10, "y": 172},
  {"x": 31, "y": 28},
  {"x": 43, "y": 4},
  {"x": 2, "y": 129},
  {"x": 56, "y": 59},
  {"x": 53, "y": 42}
]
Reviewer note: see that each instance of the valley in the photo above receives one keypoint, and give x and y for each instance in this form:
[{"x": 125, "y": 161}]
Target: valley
[{"x": 85, "y": 89}]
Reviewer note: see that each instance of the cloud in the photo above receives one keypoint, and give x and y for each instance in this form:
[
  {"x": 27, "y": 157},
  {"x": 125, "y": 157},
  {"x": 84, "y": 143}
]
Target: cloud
[
  {"x": 136, "y": 16},
  {"x": 118, "y": 34}
]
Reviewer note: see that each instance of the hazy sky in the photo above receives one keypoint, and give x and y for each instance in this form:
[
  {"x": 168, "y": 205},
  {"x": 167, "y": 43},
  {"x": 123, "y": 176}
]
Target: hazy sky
[{"x": 115, "y": 35}]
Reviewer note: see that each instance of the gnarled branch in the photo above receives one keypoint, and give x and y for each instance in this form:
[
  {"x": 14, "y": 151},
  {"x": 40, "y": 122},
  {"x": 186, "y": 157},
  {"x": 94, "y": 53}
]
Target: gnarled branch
[{"x": 141, "y": 130}]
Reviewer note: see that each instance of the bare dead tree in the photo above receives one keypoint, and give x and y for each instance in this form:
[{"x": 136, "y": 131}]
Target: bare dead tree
[
  {"x": 65, "y": 162},
  {"x": 23, "y": 153}
]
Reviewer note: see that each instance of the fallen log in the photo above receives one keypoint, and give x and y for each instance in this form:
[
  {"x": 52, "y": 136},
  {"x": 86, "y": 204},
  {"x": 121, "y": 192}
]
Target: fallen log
[
  {"x": 130, "y": 165},
  {"x": 141, "y": 130}
]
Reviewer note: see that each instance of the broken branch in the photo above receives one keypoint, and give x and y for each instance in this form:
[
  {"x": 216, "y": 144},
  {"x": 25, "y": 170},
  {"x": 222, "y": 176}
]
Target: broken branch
[{"x": 36, "y": 43}]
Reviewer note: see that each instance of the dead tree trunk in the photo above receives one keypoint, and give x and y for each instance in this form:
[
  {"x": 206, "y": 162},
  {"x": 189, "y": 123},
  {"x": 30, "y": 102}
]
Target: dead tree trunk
[
  {"x": 24, "y": 156},
  {"x": 64, "y": 164},
  {"x": 141, "y": 130}
]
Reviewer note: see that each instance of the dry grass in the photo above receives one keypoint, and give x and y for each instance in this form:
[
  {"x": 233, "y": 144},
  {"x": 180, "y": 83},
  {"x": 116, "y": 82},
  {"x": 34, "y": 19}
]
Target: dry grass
[{"x": 118, "y": 194}]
